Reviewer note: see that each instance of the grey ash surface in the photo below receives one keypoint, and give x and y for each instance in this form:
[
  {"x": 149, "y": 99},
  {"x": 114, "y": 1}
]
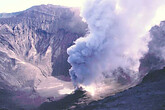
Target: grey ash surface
[
  {"x": 33, "y": 46},
  {"x": 148, "y": 95}
]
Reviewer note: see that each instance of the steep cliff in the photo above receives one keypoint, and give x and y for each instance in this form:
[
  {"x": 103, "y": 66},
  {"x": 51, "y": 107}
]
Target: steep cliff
[
  {"x": 148, "y": 95},
  {"x": 34, "y": 67},
  {"x": 33, "y": 47}
]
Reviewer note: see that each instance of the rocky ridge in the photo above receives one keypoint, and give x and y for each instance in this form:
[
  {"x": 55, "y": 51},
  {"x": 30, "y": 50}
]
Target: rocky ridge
[
  {"x": 34, "y": 68},
  {"x": 33, "y": 46}
]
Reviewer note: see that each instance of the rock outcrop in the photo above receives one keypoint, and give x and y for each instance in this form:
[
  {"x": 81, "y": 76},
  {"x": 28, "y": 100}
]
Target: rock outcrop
[
  {"x": 33, "y": 46},
  {"x": 148, "y": 95},
  {"x": 34, "y": 67}
]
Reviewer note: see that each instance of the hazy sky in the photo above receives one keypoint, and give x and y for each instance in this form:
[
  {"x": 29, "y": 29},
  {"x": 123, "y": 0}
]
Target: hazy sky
[
  {"x": 8, "y": 6},
  {"x": 19, "y": 5}
]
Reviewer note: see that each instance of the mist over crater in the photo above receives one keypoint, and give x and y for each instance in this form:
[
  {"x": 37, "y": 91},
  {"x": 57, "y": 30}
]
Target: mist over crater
[{"x": 109, "y": 47}]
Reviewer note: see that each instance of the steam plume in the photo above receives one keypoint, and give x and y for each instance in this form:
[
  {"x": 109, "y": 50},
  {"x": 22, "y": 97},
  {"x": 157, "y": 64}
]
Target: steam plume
[{"x": 117, "y": 40}]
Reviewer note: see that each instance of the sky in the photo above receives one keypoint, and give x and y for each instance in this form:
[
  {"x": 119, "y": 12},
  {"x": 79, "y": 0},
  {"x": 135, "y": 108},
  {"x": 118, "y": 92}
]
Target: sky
[{"x": 9, "y": 6}]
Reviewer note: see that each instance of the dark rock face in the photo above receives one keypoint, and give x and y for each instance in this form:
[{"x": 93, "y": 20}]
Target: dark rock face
[
  {"x": 66, "y": 103},
  {"x": 149, "y": 95},
  {"x": 43, "y": 27},
  {"x": 32, "y": 34},
  {"x": 33, "y": 46}
]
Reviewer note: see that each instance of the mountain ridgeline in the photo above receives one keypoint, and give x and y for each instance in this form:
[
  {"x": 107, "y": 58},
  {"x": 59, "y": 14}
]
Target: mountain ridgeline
[
  {"x": 38, "y": 37},
  {"x": 33, "y": 48}
]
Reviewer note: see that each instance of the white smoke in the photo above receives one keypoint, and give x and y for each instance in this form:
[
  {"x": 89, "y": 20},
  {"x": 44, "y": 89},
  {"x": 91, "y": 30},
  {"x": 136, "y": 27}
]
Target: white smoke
[{"x": 117, "y": 39}]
